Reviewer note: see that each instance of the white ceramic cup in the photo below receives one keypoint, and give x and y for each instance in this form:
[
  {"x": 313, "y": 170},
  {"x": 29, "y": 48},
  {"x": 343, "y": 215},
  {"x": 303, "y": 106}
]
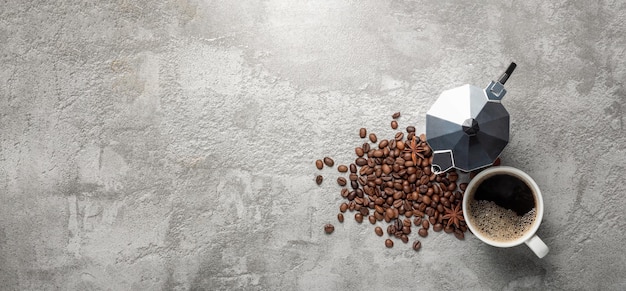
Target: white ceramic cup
[{"x": 529, "y": 237}]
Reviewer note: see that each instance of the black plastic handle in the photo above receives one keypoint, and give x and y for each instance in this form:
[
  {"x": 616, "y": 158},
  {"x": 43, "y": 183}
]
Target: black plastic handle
[{"x": 507, "y": 74}]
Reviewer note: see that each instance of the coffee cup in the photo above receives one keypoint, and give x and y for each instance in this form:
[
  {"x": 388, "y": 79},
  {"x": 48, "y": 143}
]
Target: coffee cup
[{"x": 503, "y": 207}]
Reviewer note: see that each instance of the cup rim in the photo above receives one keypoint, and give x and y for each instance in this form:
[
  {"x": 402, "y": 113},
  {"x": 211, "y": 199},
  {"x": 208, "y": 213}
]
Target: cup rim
[{"x": 514, "y": 172}]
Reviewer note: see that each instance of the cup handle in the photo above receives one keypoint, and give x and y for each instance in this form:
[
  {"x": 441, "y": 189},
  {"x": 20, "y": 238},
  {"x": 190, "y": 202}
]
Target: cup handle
[{"x": 537, "y": 246}]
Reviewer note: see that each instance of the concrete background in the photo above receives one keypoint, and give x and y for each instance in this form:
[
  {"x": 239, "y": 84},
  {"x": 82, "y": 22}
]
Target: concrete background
[{"x": 169, "y": 145}]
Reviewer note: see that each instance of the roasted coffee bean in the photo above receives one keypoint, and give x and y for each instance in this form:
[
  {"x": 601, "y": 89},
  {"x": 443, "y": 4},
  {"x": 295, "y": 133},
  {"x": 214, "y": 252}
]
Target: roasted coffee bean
[
  {"x": 342, "y": 168},
  {"x": 389, "y": 213},
  {"x": 364, "y": 211},
  {"x": 343, "y": 207},
  {"x": 406, "y": 230},
  {"x": 398, "y": 223},
  {"x": 417, "y": 245},
  {"x": 373, "y": 137},
  {"x": 448, "y": 229},
  {"x": 319, "y": 164},
  {"x": 371, "y": 218},
  {"x": 404, "y": 238},
  {"x": 396, "y": 115},
  {"x": 422, "y": 232},
  {"x": 425, "y": 224},
  {"x": 417, "y": 221},
  {"x": 394, "y": 124},
  {"x": 453, "y": 176},
  {"x": 359, "y": 151},
  {"x": 319, "y": 179},
  {"x": 362, "y": 132},
  {"x": 391, "y": 229},
  {"x": 437, "y": 227},
  {"x": 329, "y": 228},
  {"x": 459, "y": 234},
  {"x": 410, "y": 128},
  {"x": 341, "y": 181},
  {"x": 432, "y": 220},
  {"x": 379, "y": 231},
  {"x": 366, "y": 147},
  {"x": 383, "y": 143},
  {"x": 463, "y": 186},
  {"x": 354, "y": 184},
  {"x": 358, "y": 217},
  {"x": 426, "y": 200},
  {"x": 389, "y": 243},
  {"x": 406, "y": 222},
  {"x": 340, "y": 217},
  {"x": 351, "y": 195},
  {"x": 378, "y": 153},
  {"x": 329, "y": 162},
  {"x": 352, "y": 168},
  {"x": 400, "y": 144},
  {"x": 360, "y": 162},
  {"x": 344, "y": 192}
]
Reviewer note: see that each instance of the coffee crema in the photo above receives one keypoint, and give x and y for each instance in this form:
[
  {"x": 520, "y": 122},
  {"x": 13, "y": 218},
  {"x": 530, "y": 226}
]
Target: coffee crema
[
  {"x": 498, "y": 223},
  {"x": 506, "y": 191}
]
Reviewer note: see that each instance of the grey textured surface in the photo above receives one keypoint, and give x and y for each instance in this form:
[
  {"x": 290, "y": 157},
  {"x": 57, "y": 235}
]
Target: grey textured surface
[{"x": 170, "y": 146}]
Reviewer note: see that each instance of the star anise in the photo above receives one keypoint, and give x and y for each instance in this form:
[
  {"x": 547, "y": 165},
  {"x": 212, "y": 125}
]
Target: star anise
[
  {"x": 415, "y": 150},
  {"x": 454, "y": 215}
]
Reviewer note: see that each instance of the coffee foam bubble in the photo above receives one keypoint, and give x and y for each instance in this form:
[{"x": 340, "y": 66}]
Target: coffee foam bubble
[{"x": 498, "y": 223}]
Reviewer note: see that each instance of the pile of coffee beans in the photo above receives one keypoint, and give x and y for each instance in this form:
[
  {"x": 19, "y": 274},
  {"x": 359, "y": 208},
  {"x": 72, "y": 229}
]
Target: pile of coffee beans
[{"x": 390, "y": 181}]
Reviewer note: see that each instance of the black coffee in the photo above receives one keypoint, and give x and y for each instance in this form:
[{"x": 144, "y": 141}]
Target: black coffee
[{"x": 508, "y": 192}]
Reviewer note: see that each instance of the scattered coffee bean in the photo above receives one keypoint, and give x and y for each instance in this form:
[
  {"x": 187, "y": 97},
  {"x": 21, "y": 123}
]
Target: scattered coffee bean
[
  {"x": 371, "y": 218},
  {"x": 448, "y": 229},
  {"x": 358, "y": 217},
  {"x": 340, "y": 217},
  {"x": 394, "y": 124},
  {"x": 362, "y": 132},
  {"x": 342, "y": 168},
  {"x": 437, "y": 227},
  {"x": 373, "y": 138},
  {"x": 425, "y": 224},
  {"x": 379, "y": 231},
  {"x": 389, "y": 243},
  {"x": 417, "y": 245},
  {"x": 329, "y": 162},
  {"x": 410, "y": 128},
  {"x": 422, "y": 232},
  {"x": 395, "y": 115},
  {"x": 459, "y": 234},
  {"x": 319, "y": 164},
  {"x": 329, "y": 228},
  {"x": 343, "y": 207},
  {"x": 341, "y": 181},
  {"x": 319, "y": 179},
  {"x": 404, "y": 238}
]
